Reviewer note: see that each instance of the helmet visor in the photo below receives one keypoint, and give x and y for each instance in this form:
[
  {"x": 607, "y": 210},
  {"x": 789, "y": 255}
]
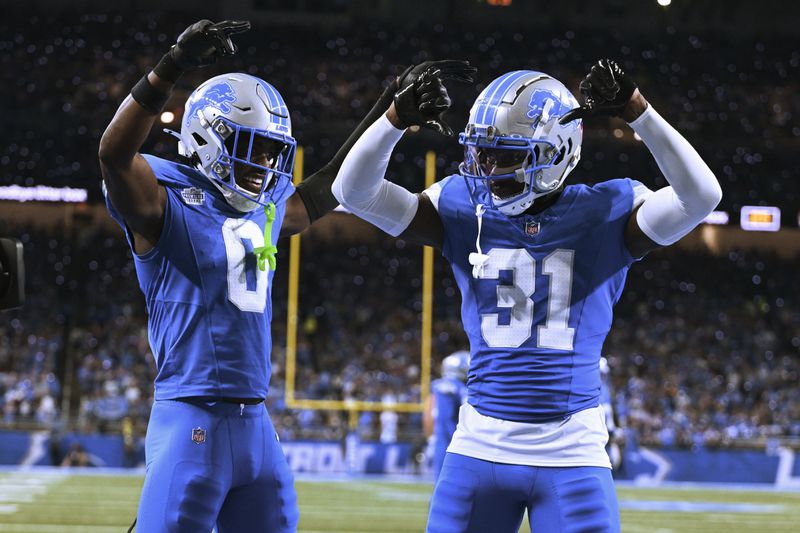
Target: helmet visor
[
  {"x": 485, "y": 161},
  {"x": 258, "y": 163}
]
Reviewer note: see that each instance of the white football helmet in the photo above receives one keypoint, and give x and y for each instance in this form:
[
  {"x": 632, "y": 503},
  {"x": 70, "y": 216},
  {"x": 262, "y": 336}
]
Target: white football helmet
[
  {"x": 224, "y": 119},
  {"x": 513, "y": 137},
  {"x": 456, "y": 365}
]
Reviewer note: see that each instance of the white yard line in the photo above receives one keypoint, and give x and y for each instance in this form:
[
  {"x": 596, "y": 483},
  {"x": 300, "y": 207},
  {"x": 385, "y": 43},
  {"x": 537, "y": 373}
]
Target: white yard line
[
  {"x": 50, "y": 528},
  {"x": 389, "y": 494},
  {"x": 23, "y": 487}
]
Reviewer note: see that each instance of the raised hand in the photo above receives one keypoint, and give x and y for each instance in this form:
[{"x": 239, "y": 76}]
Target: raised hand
[
  {"x": 422, "y": 97},
  {"x": 606, "y": 91},
  {"x": 200, "y": 45}
]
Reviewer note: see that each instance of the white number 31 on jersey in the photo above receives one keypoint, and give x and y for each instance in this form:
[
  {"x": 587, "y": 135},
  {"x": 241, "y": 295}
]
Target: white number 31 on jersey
[{"x": 555, "y": 333}]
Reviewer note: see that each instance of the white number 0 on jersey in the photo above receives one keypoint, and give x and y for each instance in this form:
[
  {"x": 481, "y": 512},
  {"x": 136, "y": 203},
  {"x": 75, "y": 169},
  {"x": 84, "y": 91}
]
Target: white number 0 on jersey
[
  {"x": 234, "y": 231},
  {"x": 555, "y": 333}
]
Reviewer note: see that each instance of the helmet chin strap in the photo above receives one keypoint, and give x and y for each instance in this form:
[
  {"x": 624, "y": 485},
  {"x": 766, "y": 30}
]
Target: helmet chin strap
[
  {"x": 237, "y": 201},
  {"x": 525, "y": 200}
]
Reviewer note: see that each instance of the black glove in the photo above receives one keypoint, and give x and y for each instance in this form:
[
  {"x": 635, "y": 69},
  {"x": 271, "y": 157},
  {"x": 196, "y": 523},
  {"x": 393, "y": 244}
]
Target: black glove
[
  {"x": 606, "y": 91},
  {"x": 422, "y": 98},
  {"x": 200, "y": 45}
]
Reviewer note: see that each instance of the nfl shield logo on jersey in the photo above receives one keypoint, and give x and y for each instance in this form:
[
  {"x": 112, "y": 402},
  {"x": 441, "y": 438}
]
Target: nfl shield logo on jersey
[
  {"x": 198, "y": 435},
  {"x": 531, "y": 228}
]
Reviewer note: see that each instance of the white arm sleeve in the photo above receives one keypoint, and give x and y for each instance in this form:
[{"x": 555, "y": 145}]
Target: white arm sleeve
[
  {"x": 670, "y": 213},
  {"x": 360, "y": 185}
]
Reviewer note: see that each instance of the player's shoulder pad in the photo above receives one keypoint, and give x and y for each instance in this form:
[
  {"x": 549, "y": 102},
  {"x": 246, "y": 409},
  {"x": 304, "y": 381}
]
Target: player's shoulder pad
[
  {"x": 622, "y": 192},
  {"x": 435, "y": 191},
  {"x": 173, "y": 174},
  {"x": 614, "y": 186}
]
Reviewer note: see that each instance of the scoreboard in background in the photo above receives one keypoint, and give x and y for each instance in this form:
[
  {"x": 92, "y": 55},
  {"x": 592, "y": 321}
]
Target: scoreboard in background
[{"x": 760, "y": 218}]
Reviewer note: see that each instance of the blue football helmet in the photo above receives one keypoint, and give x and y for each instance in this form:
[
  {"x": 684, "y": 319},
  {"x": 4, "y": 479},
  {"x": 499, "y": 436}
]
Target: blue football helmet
[
  {"x": 239, "y": 123},
  {"x": 514, "y": 148}
]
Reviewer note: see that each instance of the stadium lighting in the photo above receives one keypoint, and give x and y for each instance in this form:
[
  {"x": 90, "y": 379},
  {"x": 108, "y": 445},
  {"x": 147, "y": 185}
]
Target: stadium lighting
[
  {"x": 42, "y": 193},
  {"x": 664, "y": 3},
  {"x": 167, "y": 117},
  {"x": 760, "y": 218}
]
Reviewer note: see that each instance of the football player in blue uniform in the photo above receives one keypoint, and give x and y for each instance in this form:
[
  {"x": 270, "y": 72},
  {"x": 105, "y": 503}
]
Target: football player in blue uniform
[
  {"x": 540, "y": 266},
  {"x": 447, "y": 395},
  {"x": 204, "y": 236}
]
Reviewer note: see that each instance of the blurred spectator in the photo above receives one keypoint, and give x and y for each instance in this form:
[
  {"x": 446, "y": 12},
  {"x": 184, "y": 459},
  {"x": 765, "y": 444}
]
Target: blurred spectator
[{"x": 734, "y": 96}]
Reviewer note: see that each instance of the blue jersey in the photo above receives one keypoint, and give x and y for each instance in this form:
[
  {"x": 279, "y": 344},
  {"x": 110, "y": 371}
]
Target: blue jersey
[
  {"x": 449, "y": 394},
  {"x": 605, "y": 393},
  {"x": 540, "y": 311},
  {"x": 607, "y": 402},
  {"x": 208, "y": 303}
]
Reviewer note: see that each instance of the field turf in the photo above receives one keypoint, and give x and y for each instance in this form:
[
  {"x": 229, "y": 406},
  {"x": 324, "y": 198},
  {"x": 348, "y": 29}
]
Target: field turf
[{"x": 61, "y": 502}]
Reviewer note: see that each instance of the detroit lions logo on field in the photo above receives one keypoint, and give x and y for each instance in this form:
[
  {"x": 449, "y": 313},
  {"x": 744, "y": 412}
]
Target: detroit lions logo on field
[
  {"x": 219, "y": 95},
  {"x": 539, "y": 104}
]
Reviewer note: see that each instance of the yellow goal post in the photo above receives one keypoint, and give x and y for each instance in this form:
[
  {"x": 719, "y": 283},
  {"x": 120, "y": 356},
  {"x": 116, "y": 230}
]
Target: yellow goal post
[{"x": 292, "y": 321}]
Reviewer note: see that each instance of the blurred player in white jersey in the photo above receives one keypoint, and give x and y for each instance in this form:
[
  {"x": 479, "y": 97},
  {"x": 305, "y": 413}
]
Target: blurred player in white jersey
[{"x": 540, "y": 266}]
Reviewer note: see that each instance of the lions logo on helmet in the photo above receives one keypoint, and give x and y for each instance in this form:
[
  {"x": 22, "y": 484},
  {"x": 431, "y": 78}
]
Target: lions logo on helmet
[
  {"x": 237, "y": 123},
  {"x": 219, "y": 95},
  {"x": 542, "y": 100},
  {"x": 514, "y": 148}
]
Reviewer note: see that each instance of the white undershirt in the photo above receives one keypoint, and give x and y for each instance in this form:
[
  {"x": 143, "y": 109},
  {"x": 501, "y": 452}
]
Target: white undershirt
[{"x": 580, "y": 440}]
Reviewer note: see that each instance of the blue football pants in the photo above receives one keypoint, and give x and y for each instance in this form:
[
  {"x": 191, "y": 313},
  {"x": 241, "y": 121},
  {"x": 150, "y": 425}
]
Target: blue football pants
[
  {"x": 215, "y": 464},
  {"x": 437, "y": 461},
  {"x": 479, "y": 496}
]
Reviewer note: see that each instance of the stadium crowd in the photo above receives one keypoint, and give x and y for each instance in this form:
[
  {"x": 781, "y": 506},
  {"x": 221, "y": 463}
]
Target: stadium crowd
[
  {"x": 704, "y": 349},
  {"x": 733, "y": 95}
]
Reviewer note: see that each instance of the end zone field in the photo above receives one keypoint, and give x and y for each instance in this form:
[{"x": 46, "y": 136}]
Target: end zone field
[{"x": 53, "y": 501}]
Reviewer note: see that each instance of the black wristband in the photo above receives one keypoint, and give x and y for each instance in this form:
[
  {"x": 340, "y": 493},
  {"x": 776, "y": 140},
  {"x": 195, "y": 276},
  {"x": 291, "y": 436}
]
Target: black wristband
[
  {"x": 167, "y": 68},
  {"x": 147, "y": 96}
]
